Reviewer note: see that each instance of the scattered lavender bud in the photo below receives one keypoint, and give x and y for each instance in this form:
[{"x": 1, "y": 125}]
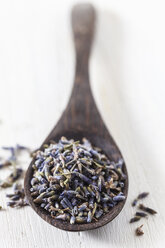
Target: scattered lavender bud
[
  {"x": 142, "y": 195},
  {"x": 146, "y": 209},
  {"x": 139, "y": 231},
  {"x": 141, "y": 214},
  {"x": 139, "y": 197},
  {"x": 134, "y": 219},
  {"x": 134, "y": 202},
  {"x": 17, "y": 198}
]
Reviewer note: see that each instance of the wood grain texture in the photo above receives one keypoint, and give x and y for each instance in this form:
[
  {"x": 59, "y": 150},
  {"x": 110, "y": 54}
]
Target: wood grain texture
[
  {"x": 81, "y": 119},
  {"x": 127, "y": 79}
]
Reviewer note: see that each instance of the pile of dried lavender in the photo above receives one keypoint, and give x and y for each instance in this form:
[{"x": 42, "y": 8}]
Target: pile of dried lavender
[
  {"x": 141, "y": 214},
  {"x": 17, "y": 198},
  {"x": 76, "y": 182}
]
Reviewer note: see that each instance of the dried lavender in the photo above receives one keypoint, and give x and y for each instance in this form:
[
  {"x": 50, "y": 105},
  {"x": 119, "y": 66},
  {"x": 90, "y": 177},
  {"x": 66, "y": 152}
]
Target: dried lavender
[
  {"x": 141, "y": 214},
  {"x": 139, "y": 231},
  {"x": 14, "y": 151},
  {"x": 143, "y": 195},
  {"x": 146, "y": 209},
  {"x": 5, "y": 164},
  {"x": 17, "y": 198},
  {"x": 13, "y": 177},
  {"x": 139, "y": 197},
  {"x": 134, "y": 202},
  {"x": 12, "y": 160},
  {"x": 134, "y": 219},
  {"x": 76, "y": 182}
]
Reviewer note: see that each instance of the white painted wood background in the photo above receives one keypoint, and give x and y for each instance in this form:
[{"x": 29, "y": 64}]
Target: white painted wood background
[{"x": 128, "y": 82}]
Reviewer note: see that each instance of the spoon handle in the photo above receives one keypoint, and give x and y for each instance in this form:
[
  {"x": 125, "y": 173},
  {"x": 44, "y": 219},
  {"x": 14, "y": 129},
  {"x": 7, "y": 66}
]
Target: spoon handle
[
  {"x": 81, "y": 111},
  {"x": 83, "y": 24}
]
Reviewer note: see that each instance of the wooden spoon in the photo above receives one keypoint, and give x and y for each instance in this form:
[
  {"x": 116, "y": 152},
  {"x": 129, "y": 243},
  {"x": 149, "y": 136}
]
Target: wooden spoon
[{"x": 81, "y": 118}]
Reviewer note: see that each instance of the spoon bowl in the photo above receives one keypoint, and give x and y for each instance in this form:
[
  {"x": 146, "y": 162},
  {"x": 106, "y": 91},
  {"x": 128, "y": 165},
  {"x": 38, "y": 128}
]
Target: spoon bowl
[{"x": 81, "y": 118}]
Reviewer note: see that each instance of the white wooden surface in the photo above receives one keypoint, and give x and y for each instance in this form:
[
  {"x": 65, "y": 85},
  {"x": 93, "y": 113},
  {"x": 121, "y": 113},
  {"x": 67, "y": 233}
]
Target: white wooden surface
[{"x": 128, "y": 82}]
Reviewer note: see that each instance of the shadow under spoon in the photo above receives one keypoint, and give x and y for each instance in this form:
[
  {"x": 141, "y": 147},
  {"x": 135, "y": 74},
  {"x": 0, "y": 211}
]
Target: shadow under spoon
[{"x": 81, "y": 118}]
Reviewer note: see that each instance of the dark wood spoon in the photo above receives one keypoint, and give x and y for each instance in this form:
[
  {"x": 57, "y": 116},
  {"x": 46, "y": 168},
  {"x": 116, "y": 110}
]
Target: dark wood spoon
[{"x": 81, "y": 117}]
